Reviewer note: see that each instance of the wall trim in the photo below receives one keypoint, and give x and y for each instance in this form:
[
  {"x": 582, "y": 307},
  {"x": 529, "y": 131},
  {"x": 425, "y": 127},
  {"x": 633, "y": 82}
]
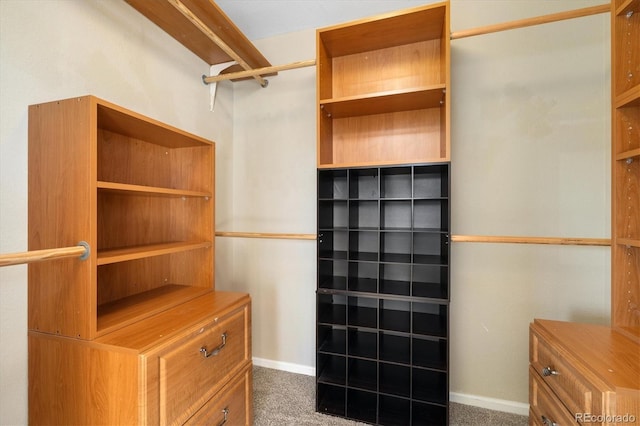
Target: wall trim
[
  {"x": 503, "y": 405},
  {"x": 496, "y": 404},
  {"x": 285, "y": 366}
]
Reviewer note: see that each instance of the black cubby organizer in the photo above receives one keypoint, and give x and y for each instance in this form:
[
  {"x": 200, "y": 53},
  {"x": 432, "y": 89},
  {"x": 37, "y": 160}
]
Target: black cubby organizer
[{"x": 383, "y": 294}]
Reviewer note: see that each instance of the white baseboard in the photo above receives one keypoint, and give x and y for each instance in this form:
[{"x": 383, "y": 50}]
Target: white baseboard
[
  {"x": 460, "y": 398},
  {"x": 285, "y": 366},
  {"x": 503, "y": 405}
]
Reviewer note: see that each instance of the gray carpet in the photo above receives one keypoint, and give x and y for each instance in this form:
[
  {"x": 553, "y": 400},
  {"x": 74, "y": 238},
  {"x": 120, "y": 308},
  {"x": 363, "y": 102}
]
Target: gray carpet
[{"x": 283, "y": 399}]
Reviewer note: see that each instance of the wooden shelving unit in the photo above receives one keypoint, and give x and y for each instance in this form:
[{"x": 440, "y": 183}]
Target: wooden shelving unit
[
  {"x": 137, "y": 313},
  {"x": 382, "y": 89},
  {"x": 625, "y": 167},
  {"x": 383, "y": 218}
]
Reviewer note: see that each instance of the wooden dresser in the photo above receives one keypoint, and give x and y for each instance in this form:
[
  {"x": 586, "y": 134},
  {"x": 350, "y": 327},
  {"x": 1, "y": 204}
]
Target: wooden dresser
[
  {"x": 582, "y": 374},
  {"x": 134, "y": 332},
  {"x": 188, "y": 365}
]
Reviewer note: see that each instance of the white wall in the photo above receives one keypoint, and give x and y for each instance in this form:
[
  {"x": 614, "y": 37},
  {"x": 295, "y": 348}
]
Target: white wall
[
  {"x": 60, "y": 49},
  {"x": 530, "y": 156}
]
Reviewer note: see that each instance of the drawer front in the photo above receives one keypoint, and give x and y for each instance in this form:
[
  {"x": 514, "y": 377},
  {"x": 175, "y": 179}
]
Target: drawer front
[
  {"x": 575, "y": 392},
  {"x": 198, "y": 366},
  {"x": 545, "y": 408},
  {"x": 231, "y": 406}
]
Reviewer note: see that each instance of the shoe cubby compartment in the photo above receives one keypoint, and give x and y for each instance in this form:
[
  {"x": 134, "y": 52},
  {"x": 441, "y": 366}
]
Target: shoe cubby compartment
[
  {"x": 333, "y": 215},
  {"x": 395, "y": 379},
  {"x": 395, "y": 214},
  {"x": 331, "y": 399},
  {"x": 430, "y": 281},
  {"x": 363, "y": 312},
  {"x": 430, "y": 248},
  {"x": 332, "y": 309},
  {"x": 332, "y": 274},
  {"x": 363, "y": 344},
  {"x": 394, "y": 411},
  {"x": 431, "y": 181},
  {"x": 363, "y": 245},
  {"x": 395, "y": 278},
  {"x": 364, "y": 215},
  {"x": 361, "y": 405},
  {"x": 430, "y": 319},
  {"x": 394, "y": 347},
  {"x": 332, "y": 340},
  {"x": 333, "y": 244},
  {"x": 363, "y": 277},
  {"x": 429, "y": 386},
  {"x": 364, "y": 184},
  {"x": 429, "y": 353},
  {"x": 332, "y": 369},
  {"x": 395, "y": 182},
  {"x": 333, "y": 185}
]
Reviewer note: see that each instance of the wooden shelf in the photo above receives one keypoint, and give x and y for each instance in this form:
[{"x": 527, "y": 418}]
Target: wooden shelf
[
  {"x": 628, "y": 242},
  {"x": 174, "y": 23},
  {"x": 126, "y": 311},
  {"x": 623, "y": 6},
  {"x": 629, "y": 98},
  {"x": 383, "y": 31},
  {"x": 150, "y": 190},
  {"x": 628, "y": 154},
  {"x": 118, "y": 120},
  {"x": 140, "y": 252},
  {"x": 385, "y": 102}
]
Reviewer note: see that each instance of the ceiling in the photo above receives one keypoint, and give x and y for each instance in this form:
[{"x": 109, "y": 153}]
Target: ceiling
[{"x": 259, "y": 19}]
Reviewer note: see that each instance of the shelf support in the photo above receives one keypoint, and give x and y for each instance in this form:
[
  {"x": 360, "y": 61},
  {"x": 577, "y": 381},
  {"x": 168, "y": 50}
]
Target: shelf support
[
  {"x": 81, "y": 250},
  {"x": 214, "y": 38},
  {"x": 528, "y": 22},
  {"x": 258, "y": 71}
]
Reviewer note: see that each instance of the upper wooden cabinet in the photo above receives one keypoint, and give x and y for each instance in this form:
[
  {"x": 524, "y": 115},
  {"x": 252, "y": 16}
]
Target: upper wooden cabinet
[
  {"x": 140, "y": 193},
  {"x": 382, "y": 87},
  {"x": 625, "y": 168}
]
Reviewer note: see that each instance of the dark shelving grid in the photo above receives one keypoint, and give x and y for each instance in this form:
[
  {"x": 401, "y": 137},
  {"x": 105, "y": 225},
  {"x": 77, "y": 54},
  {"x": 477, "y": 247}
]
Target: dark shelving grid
[{"x": 383, "y": 293}]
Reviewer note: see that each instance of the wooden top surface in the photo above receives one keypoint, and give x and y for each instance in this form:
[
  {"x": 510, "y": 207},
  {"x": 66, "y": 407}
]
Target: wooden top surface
[
  {"x": 614, "y": 358},
  {"x": 174, "y": 23},
  {"x": 173, "y": 322}
]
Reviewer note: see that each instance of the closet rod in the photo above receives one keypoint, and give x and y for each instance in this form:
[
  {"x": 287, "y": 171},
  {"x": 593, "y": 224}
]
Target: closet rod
[
  {"x": 267, "y": 235},
  {"x": 531, "y": 240},
  {"x": 214, "y": 38},
  {"x": 81, "y": 251},
  {"x": 258, "y": 71},
  {"x": 521, "y": 23}
]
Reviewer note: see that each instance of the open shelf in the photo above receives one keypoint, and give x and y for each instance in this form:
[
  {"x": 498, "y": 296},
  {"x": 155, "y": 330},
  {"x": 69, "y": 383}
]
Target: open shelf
[
  {"x": 128, "y": 310},
  {"x": 384, "y": 102},
  {"x": 139, "y": 252},
  {"x": 139, "y": 192},
  {"x": 150, "y": 190},
  {"x": 382, "y": 89}
]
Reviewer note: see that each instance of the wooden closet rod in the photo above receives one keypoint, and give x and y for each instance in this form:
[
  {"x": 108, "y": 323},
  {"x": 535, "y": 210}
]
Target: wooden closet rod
[
  {"x": 521, "y": 23},
  {"x": 81, "y": 251},
  {"x": 531, "y": 240},
  {"x": 214, "y": 38},
  {"x": 267, "y": 235},
  {"x": 259, "y": 71}
]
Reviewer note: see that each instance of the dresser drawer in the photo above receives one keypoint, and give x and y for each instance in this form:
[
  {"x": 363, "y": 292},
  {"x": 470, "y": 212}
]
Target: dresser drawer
[
  {"x": 573, "y": 389},
  {"x": 231, "y": 406},
  {"x": 195, "y": 368},
  {"x": 545, "y": 408}
]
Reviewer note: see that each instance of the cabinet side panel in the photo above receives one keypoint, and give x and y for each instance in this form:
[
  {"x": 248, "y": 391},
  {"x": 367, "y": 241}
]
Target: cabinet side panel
[
  {"x": 62, "y": 204},
  {"x": 73, "y": 382}
]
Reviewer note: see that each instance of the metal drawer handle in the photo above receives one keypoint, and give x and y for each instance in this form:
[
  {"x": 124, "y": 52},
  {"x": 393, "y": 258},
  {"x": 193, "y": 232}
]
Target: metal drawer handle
[
  {"x": 225, "y": 412},
  {"x": 549, "y": 371},
  {"x": 217, "y": 350},
  {"x": 548, "y": 422}
]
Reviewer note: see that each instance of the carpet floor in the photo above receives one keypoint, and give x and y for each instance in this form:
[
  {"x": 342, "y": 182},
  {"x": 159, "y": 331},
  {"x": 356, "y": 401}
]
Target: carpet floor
[{"x": 282, "y": 398}]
